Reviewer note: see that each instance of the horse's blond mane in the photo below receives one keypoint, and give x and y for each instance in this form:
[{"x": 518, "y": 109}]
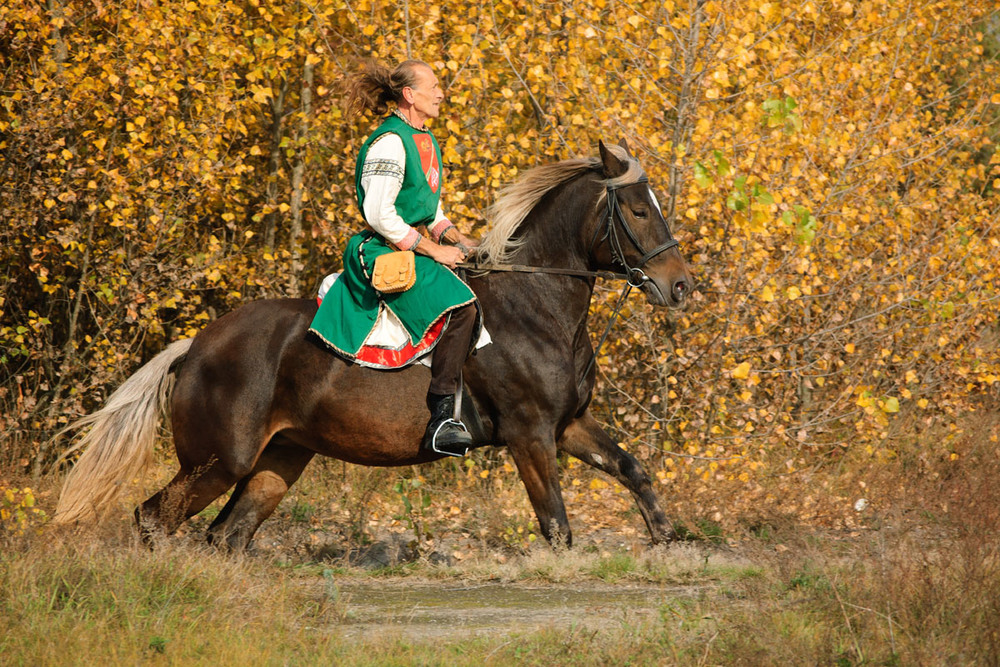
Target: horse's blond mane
[{"x": 516, "y": 200}]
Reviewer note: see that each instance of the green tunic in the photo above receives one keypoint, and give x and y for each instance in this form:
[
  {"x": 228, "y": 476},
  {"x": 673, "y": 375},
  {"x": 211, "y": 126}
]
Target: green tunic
[{"x": 350, "y": 309}]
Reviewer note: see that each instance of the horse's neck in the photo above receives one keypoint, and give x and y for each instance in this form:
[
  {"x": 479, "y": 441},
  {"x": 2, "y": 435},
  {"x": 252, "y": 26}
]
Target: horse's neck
[
  {"x": 556, "y": 236},
  {"x": 555, "y": 232}
]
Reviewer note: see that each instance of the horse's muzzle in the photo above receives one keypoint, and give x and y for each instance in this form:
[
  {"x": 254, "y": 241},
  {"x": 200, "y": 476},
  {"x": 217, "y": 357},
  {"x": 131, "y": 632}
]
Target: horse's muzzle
[{"x": 672, "y": 293}]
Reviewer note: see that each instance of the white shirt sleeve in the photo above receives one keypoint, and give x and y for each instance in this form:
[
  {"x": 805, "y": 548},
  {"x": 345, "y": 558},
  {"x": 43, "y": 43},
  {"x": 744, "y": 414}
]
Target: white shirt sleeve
[{"x": 381, "y": 180}]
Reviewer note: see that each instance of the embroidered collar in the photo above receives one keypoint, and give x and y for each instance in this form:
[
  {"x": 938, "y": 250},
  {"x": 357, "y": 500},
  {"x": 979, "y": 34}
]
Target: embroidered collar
[{"x": 399, "y": 114}]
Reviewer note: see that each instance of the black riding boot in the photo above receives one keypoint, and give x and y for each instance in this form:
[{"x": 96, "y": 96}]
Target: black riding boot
[{"x": 444, "y": 435}]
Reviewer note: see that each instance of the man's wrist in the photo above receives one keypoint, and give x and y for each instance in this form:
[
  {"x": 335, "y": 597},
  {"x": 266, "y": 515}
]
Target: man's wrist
[
  {"x": 440, "y": 228},
  {"x": 410, "y": 241}
]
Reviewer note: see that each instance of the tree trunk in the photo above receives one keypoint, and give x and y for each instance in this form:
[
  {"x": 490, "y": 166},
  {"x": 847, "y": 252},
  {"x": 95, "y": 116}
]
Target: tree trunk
[
  {"x": 277, "y": 128},
  {"x": 298, "y": 176}
]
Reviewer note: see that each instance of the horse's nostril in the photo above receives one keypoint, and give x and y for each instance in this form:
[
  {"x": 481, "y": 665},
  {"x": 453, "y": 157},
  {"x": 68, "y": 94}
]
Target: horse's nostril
[{"x": 680, "y": 289}]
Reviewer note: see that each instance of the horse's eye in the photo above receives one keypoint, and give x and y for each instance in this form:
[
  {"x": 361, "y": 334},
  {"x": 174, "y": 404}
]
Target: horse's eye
[{"x": 640, "y": 213}]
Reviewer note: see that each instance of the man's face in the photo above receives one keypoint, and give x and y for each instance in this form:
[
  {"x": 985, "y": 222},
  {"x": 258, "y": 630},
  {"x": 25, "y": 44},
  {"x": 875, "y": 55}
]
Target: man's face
[{"x": 426, "y": 93}]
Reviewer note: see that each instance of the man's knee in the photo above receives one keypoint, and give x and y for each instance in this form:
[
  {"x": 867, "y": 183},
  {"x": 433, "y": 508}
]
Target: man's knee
[{"x": 464, "y": 316}]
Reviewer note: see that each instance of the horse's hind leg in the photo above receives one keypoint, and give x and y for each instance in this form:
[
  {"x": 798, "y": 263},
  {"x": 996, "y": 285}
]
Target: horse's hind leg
[
  {"x": 257, "y": 495},
  {"x": 189, "y": 492},
  {"x": 209, "y": 468},
  {"x": 587, "y": 441}
]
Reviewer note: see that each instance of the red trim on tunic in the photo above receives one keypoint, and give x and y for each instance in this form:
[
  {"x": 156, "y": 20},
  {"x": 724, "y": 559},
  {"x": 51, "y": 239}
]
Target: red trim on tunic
[{"x": 386, "y": 358}]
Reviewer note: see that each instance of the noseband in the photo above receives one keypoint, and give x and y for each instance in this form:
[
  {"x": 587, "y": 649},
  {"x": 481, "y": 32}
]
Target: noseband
[{"x": 634, "y": 274}]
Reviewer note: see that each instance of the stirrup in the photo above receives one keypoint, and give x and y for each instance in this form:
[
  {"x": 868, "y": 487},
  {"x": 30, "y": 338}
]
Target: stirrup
[{"x": 454, "y": 446}]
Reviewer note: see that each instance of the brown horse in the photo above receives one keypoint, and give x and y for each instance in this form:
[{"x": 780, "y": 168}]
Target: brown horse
[{"x": 254, "y": 398}]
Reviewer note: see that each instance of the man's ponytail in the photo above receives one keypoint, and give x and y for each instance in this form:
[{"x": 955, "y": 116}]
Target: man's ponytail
[{"x": 375, "y": 87}]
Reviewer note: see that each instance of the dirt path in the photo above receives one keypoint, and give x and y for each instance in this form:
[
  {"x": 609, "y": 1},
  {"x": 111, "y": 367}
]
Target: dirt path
[{"x": 445, "y": 610}]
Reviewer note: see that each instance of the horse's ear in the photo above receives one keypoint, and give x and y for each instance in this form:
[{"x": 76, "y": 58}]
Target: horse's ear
[
  {"x": 624, "y": 144},
  {"x": 613, "y": 167}
]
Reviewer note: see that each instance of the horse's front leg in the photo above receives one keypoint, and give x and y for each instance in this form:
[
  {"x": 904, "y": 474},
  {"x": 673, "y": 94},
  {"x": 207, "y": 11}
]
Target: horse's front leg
[
  {"x": 539, "y": 469},
  {"x": 587, "y": 441}
]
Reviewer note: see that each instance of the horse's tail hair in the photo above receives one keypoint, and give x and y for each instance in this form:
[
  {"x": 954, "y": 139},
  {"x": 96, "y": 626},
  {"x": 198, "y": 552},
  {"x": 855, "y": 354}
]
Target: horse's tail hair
[{"x": 119, "y": 445}]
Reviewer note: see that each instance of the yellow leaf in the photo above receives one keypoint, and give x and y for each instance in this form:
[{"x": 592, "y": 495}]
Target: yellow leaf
[
  {"x": 849, "y": 348},
  {"x": 742, "y": 371},
  {"x": 767, "y": 294},
  {"x": 891, "y": 405},
  {"x": 793, "y": 293},
  {"x": 261, "y": 94}
]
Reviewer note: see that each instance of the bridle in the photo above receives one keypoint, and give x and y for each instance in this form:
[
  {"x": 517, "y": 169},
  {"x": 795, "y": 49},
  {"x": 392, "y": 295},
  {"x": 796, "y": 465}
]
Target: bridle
[{"x": 634, "y": 276}]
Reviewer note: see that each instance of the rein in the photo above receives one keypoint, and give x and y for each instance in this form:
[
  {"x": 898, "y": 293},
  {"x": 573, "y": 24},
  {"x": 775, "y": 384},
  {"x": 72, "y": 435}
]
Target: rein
[
  {"x": 522, "y": 268},
  {"x": 634, "y": 276}
]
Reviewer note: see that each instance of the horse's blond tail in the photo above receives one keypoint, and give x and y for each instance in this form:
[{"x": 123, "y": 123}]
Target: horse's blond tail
[{"x": 119, "y": 444}]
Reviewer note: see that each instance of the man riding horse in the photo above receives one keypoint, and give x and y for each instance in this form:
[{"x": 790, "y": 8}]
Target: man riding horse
[
  {"x": 252, "y": 399},
  {"x": 398, "y": 185}
]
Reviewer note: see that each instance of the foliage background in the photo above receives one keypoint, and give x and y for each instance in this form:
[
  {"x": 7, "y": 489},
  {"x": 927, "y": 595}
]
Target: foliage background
[{"x": 829, "y": 168}]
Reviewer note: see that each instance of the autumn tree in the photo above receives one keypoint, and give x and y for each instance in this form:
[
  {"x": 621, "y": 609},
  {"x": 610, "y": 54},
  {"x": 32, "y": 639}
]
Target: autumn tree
[{"x": 829, "y": 168}]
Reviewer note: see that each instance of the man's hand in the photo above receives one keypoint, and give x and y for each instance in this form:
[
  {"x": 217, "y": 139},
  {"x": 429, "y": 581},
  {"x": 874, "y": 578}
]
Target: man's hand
[
  {"x": 448, "y": 255},
  {"x": 467, "y": 242},
  {"x": 456, "y": 237}
]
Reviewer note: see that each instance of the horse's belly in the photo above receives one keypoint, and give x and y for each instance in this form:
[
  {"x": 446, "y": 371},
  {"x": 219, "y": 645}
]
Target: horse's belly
[
  {"x": 370, "y": 417},
  {"x": 370, "y": 443}
]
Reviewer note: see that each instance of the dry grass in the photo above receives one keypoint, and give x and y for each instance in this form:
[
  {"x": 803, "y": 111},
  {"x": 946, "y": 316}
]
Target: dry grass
[
  {"x": 893, "y": 596},
  {"x": 914, "y": 578}
]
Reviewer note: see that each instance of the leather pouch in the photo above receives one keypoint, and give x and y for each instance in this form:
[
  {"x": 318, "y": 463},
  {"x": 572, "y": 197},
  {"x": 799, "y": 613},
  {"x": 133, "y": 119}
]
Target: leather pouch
[{"x": 394, "y": 272}]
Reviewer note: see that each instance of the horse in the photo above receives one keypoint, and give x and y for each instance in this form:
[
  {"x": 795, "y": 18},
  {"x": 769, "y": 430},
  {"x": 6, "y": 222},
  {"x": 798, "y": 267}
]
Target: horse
[{"x": 252, "y": 398}]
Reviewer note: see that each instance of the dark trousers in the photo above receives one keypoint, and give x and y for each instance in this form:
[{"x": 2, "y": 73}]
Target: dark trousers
[{"x": 451, "y": 351}]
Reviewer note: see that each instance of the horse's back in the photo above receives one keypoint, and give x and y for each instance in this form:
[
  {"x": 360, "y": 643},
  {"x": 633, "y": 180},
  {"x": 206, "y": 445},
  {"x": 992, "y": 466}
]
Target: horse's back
[{"x": 256, "y": 372}]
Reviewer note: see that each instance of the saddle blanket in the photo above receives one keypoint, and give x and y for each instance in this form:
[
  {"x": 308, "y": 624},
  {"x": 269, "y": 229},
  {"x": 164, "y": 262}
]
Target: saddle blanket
[{"x": 388, "y": 332}]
